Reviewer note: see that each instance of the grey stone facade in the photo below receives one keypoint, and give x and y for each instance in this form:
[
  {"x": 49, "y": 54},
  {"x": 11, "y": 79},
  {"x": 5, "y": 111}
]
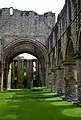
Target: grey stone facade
[
  {"x": 64, "y": 48},
  {"x": 56, "y": 45},
  {"x": 25, "y": 24}
]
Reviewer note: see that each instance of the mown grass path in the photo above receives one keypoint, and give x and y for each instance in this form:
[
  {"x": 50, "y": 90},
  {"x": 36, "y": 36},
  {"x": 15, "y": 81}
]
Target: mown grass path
[{"x": 41, "y": 105}]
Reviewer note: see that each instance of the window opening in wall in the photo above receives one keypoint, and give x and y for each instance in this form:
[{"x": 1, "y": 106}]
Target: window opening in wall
[
  {"x": 0, "y": 12},
  {"x": 34, "y": 66},
  {"x": 11, "y": 11}
]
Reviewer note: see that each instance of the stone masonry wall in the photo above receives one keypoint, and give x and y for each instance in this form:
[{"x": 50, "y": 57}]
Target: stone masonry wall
[
  {"x": 27, "y": 24},
  {"x": 64, "y": 39}
]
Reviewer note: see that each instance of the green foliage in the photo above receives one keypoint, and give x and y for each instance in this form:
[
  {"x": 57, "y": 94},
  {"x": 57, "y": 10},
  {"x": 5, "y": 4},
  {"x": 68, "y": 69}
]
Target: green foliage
[
  {"x": 25, "y": 74},
  {"x": 20, "y": 57}
]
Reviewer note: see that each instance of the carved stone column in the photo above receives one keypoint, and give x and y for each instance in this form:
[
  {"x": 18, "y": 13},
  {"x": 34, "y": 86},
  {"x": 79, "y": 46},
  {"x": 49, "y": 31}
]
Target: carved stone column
[
  {"x": 50, "y": 81},
  {"x": 70, "y": 80},
  {"x": 60, "y": 84},
  {"x": 9, "y": 79},
  {"x": 5, "y": 78},
  {"x": 78, "y": 66}
]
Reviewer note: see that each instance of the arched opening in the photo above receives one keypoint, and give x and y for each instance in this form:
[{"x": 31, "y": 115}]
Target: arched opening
[
  {"x": 69, "y": 51},
  {"x": 60, "y": 58},
  {"x": 25, "y": 46},
  {"x": 70, "y": 72},
  {"x": 24, "y": 72}
]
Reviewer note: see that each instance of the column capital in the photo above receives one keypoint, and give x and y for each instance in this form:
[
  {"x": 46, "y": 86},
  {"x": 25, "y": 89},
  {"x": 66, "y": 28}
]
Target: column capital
[
  {"x": 59, "y": 67},
  {"x": 69, "y": 62},
  {"x": 77, "y": 55}
]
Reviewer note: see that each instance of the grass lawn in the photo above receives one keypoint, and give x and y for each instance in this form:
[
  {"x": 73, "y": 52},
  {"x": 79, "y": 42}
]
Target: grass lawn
[{"x": 36, "y": 105}]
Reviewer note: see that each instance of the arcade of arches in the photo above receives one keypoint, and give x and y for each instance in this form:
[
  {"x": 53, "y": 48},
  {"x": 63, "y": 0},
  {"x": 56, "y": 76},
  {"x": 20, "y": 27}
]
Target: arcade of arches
[
  {"x": 24, "y": 73},
  {"x": 57, "y": 46}
]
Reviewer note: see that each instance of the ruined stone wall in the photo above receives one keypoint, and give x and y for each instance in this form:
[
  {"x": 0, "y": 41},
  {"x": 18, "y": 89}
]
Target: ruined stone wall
[
  {"x": 25, "y": 24},
  {"x": 62, "y": 40},
  {"x": 23, "y": 31},
  {"x": 62, "y": 44},
  {"x": 25, "y": 74}
]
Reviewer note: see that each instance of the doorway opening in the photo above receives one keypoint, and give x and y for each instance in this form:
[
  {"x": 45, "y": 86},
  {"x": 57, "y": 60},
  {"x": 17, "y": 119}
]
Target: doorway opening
[{"x": 25, "y": 72}]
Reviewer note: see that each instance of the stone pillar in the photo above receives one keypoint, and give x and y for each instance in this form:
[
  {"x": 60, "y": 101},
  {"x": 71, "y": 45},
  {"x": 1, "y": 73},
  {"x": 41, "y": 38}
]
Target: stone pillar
[
  {"x": 49, "y": 77},
  {"x": 12, "y": 74},
  {"x": 5, "y": 78},
  {"x": 20, "y": 74},
  {"x": 78, "y": 63},
  {"x": 70, "y": 80},
  {"x": 9, "y": 79},
  {"x": 60, "y": 83},
  {"x": 53, "y": 80},
  {"x": 46, "y": 78},
  {"x": 50, "y": 81},
  {"x": 43, "y": 76},
  {"x": 40, "y": 77},
  {"x": 31, "y": 69},
  {"x": 31, "y": 74}
]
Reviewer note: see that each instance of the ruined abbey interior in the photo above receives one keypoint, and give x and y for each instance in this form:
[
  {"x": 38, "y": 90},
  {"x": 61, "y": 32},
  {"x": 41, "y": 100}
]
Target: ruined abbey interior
[
  {"x": 56, "y": 45},
  {"x": 25, "y": 74}
]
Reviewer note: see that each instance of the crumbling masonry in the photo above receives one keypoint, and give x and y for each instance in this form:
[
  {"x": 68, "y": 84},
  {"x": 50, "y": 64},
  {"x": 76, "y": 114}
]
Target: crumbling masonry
[{"x": 56, "y": 45}]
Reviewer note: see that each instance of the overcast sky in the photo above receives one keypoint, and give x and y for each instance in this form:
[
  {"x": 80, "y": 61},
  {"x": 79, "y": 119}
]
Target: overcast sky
[{"x": 39, "y": 6}]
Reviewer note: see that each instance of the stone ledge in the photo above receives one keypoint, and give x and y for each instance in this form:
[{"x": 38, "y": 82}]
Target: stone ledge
[
  {"x": 69, "y": 63},
  {"x": 59, "y": 67},
  {"x": 77, "y": 55}
]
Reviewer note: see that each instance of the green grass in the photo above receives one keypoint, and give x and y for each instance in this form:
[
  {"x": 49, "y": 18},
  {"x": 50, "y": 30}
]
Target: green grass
[{"x": 36, "y": 105}]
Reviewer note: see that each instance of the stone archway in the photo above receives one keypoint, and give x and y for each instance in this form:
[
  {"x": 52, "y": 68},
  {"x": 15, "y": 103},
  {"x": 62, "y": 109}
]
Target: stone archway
[
  {"x": 69, "y": 51},
  {"x": 70, "y": 72},
  {"x": 28, "y": 46}
]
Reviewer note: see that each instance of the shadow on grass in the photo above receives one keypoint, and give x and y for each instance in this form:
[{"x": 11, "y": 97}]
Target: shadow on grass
[
  {"x": 23, "y": 95},
  {"x": 27, "y": 105}
]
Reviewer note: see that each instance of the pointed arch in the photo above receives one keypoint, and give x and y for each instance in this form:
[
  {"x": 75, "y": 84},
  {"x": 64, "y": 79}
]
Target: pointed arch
[
  {"x": 25, "y": 45},
  {"x": 60, "y": 58},
  {"x": 54, "y": 59},
  {"x": 69, "y": 51}
]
